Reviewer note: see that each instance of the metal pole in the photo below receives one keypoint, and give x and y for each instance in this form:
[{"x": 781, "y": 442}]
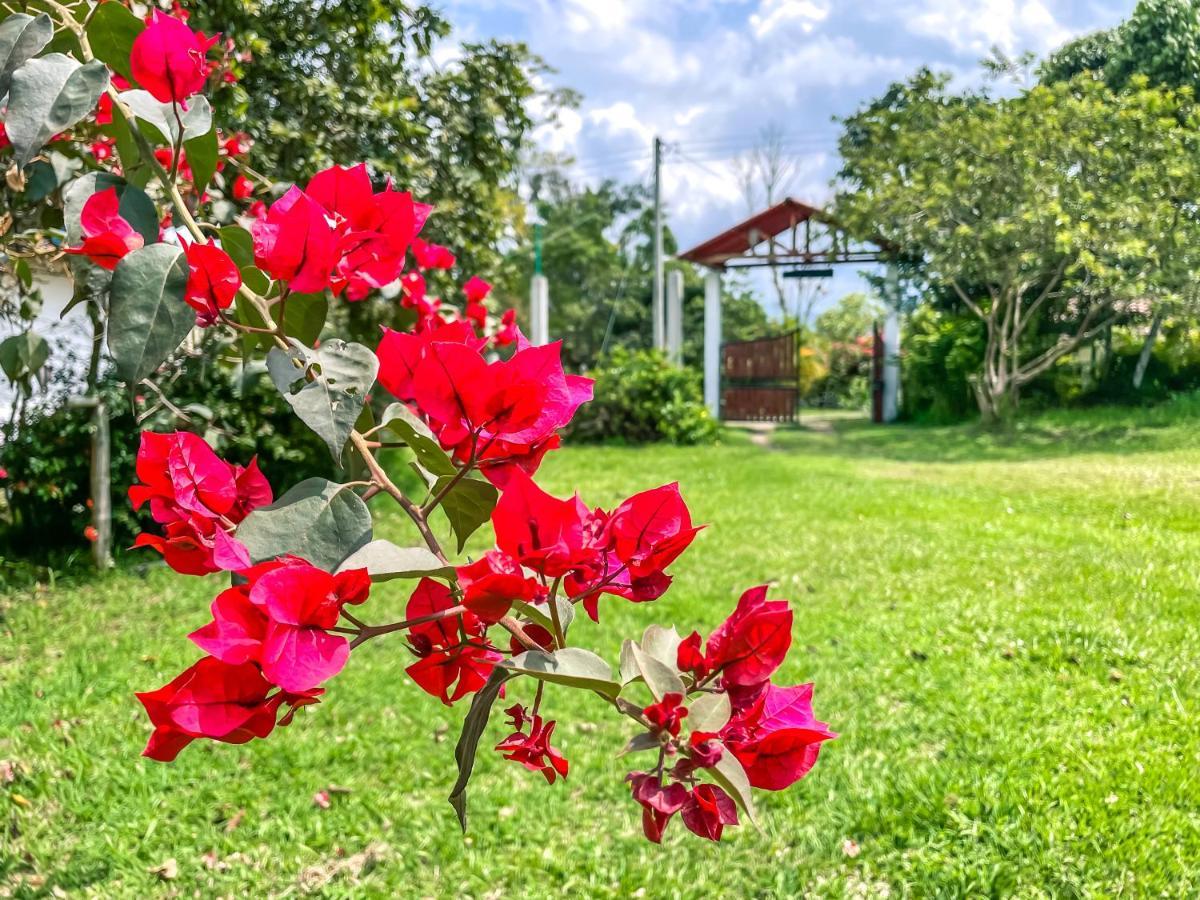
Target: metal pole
[{"x": 656, "y": 310}]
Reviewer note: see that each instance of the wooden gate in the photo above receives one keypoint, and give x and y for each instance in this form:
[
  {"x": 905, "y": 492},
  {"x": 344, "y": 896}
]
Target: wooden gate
[{"x": 760, "y": 380}]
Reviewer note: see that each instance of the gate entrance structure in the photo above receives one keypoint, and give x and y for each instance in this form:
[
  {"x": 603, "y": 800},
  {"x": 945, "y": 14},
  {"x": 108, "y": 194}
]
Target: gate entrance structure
[
  {"x": 798, "y": 238},
  {"x": 760, "y": 380}
]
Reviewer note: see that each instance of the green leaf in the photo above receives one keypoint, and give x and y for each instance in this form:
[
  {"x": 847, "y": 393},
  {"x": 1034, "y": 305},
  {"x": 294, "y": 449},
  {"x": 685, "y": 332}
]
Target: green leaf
[
  {"x": 22, "y": 37},
  {"x": 468, "y": 505},
  {"x": 48, "y": 96},
  {"x": 197, "y": 119},
  {"x": 305, "y": 317},
  {"x": 23, "y": 355},
  {"x": 134, "y": 205},
  {"x": 659, "y": 677},
  {"x": 247, "y": 313},
  {"x": 572, "y": 666},
  {"x": 148, "y": 318},
  {"x": 468, "y": 741},
  {"x": 237, "y": 242},
  {"x": 643, "y": 740},
  {"x": 384, "y": 561},
  {"x": 23, "y": 272},
  {"x": 40, "y": 181},
  {"x": 317, "y": 519},
  {"x": 566, "y": 613},
  {"x": 663, "y": 645},
  {"x": 401, "y": 422},
  {"x": 326, "y": 387},
  {"x": 729, "y": 774},
  {"x": 708, "y": 712},
  {"x": 202, "y": 153},
  {"x": 127, "y": 148},
  {"x": 111, "y": 32}
]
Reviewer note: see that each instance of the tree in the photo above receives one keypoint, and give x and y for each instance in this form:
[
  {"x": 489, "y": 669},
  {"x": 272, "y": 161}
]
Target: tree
[
  {"x": 355, "y": 79},
  {"x": 765, "y": 173},
  {"x": 1045, "y": 213}
]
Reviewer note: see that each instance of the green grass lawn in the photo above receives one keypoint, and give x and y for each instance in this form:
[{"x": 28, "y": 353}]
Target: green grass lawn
[{"x": 1004, "y": 630}]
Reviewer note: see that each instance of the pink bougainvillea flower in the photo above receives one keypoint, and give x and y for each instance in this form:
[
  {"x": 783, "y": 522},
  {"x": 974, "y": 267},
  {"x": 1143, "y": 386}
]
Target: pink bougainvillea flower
[
  {"x": 432, "y": 256},
  {"x": 500, "y": 414},
  {"x": 5, "y": 142},
  {"x": 237, "y": 144},
  {"x": 534, "y": 750},
  {"x": 213, "y": 699},
  {"x": 476, "y": 289},
  {"x": 667, "y": 714},
  {"x": 651, "y": 529},
  {"x": 455, "y": 656},
  {"x": 193, "y": 493},
  {"x": 213, "y": 281},
  {"x": 477, "y": 314},
  {"x": 493, "y": 582},
  {"x": 107, "y": 236},
  {"x": 168, "y": 59},
  {"x": 659, "y": 802},
  {"x": 243, "y": 188},
  {"x": 102, "y": 149},
  {"x": 401, "y": 352},
  {"x": 777, "y": 739},
  {"x": 507, "y": 333},
  {"x": 297, "y": 243},
  {"x": 751, "y": 644},
  {"x": 542, "y": 532},
  {"x": 708, "y": 810},
  {"x": 301, "y": 602},
  {"x": 346, "y": 192}
]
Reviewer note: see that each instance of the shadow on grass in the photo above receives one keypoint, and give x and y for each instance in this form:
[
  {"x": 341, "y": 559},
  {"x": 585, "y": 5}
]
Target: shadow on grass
[{"x": 1174, "y": 425}]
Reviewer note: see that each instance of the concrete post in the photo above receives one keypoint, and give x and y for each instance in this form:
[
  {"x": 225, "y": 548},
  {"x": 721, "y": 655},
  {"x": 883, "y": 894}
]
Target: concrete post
[
  {"x": 539, "y": 311},
  {"x": 712, "y": 342},
  {"x": 891, "y": 366},
  {"x": 675, "y": 317}
]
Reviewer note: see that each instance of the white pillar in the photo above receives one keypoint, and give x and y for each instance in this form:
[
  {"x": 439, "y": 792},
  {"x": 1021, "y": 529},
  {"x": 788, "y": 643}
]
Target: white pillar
[
  {"x": 675, "y": 317},
  {"x": 712, "y": 342},
  {"x": 891, "y": 366},
  {"x": 539, "y": 311}
]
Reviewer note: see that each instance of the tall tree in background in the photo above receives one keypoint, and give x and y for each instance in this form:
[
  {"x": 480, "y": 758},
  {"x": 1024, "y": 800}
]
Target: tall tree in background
[
  {"x": 356, "y": 80},
  {"x": 1045, "y": 214},
  {"x": 765, "y": 174}
]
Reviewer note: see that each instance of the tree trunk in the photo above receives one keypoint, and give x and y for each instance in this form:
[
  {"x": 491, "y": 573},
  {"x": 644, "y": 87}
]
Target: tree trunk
[
  {"x": 101, "y": 462},
  {"x": 1139, "y": 373}
]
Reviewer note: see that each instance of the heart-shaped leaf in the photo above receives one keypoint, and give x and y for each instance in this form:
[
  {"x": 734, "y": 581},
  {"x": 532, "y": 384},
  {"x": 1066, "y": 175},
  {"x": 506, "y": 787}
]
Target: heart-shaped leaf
[
  {"x": 709, "y": 712},
  {"x": 318, "y": 520},
  {"x": 663, "y": 645},
  {"x": 660, "y": 678},
  {"x": 468, "y": 741},
  {"x": 197, "y": 119},
  {"x": 306, "y": 317},
  {"x": 404, "y": 424},
  {"x": 48, "y": 96},
  {"x": 236, "y": 241},
  {"x": 148, "y": 318},
  {"x": 23, "y": 355},
  {"x": 202, "y": 153},
  {"x": 384, "y": 561},
  {"x": 468, "y": 505},
  {"x": 540, "y": 615},
  {"x": 327, "y": 387},
  {"x": 572, "y": 666},
  {"x": 111, "y": 31},
  {"x": 643, "y": 740},
  {"x": 22, "y": 37},
  {"x": 729, "y": 774}
]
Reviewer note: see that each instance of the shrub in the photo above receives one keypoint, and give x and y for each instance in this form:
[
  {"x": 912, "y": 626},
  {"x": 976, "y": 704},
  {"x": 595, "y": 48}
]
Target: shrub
[{"x": 642, "y": 398}]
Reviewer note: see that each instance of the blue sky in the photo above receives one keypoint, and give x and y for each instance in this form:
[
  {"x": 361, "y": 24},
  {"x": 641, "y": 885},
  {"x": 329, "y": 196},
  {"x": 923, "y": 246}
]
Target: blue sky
[{"x": 709, "y": 75}]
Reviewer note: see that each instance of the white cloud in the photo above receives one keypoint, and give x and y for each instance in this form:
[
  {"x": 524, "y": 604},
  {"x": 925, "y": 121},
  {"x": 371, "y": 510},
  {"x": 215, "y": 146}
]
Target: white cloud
[
  {"x": 975, "y": 26},
  {"x": 776, "y": 14}
]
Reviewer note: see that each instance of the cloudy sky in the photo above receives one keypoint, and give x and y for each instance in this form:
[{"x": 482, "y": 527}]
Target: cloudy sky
[{"x": 709, "y": 75}]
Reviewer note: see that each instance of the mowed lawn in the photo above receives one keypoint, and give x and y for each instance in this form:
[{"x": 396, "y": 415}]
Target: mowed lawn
[{"x": 1003, "y": 630}]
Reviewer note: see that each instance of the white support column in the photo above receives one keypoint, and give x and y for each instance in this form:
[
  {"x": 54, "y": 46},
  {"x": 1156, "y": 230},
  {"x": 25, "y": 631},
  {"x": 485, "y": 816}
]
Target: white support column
[
  {"x": 675, "y": 317},
  {"x": 712, "y": 342},
  {"x": 539, "y": 311},
  {"x": 891, "y": 366}
]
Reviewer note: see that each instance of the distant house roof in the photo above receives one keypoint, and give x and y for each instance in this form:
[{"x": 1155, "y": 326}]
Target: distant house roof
[{"x": 739, "y": 242}]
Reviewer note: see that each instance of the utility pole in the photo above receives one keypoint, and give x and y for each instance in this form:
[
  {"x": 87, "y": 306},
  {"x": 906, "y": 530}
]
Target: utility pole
[
  {"x": 539, "y": 288},
  {"x": 656, "y": 309}
]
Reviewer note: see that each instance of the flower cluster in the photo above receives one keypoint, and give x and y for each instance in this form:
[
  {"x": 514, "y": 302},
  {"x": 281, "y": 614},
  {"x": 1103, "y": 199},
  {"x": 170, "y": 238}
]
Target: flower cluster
[
  {"x": 479, "y": 407},
  {"x": 198, "y": 498}
]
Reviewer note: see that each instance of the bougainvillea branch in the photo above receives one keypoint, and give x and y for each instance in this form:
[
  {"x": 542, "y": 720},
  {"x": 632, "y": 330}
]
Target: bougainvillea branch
[{"x": 475, "y": 407}]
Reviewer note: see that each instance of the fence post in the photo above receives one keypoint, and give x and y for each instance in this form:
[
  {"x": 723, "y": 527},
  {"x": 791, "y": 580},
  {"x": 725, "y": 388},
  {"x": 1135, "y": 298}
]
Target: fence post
[
  {"x": 539, "y": 310},
  {"x": 675, "y": 317},
  {"x": 712, "y": 342}
]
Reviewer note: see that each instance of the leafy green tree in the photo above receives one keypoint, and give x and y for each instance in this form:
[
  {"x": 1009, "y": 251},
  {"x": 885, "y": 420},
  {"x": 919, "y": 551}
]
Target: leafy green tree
[
  {"x": 338, "y": 80},
  {"x": 851, "y": 318},
  {"x": 1045, "y": 214}
]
